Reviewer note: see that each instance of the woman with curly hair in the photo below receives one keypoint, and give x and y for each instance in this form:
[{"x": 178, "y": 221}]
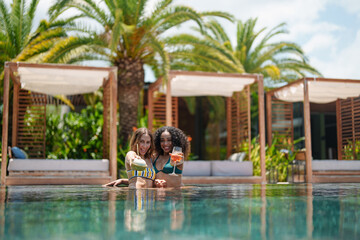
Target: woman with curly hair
[{"x": 165, "y": 139}]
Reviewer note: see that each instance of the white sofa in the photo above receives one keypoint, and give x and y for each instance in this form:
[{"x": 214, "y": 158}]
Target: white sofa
[
  {"x": 336, "y": 165},
  {"x": 59, "y": 167},
  {"x": 218, "y": 168}
]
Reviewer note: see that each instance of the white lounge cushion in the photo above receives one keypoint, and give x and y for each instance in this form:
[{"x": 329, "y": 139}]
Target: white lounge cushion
[
  {"x": 335, "y": 165},
  {"x": 197, "y": 168},
  {"x": 230, "y": 168},
  {"x": 58, "y": 165}
]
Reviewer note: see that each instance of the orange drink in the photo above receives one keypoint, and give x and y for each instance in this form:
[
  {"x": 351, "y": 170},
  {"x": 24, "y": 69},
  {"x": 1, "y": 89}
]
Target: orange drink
[{"x": 176, "y": 157}]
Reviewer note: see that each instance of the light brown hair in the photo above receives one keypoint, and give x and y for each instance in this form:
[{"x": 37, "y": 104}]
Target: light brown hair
[{"x": 135, "y": 139}]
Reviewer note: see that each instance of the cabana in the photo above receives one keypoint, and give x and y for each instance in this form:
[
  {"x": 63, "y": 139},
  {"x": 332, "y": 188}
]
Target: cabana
[
  {"x": 163, "y": 105},
  {"x": 345, "y": 92},
  {"x": 32, "y": 83}
]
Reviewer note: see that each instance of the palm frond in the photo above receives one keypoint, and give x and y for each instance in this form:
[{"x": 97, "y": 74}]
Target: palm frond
[
  {"x": 6, "y": 21},
  {"x": 174, "y": 16},
  {"x": 58, "y": 8},
  {"x": 220, "y": 14},
  {"x": 59, "y": 51}
]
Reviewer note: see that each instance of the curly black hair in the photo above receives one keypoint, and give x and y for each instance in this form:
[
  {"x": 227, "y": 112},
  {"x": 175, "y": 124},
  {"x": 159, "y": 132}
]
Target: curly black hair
[{"x": 178, "y": 138}]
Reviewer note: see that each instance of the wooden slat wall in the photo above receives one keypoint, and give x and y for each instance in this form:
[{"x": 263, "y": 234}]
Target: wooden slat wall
[
  {"x": 76, "y": 100},
  {"x": 106, "y": 116},
  {"x": 239, "y": 120},
  {"x": 31, "y": 123},
  {"x": 159, "y": 111},
  {"x": 349, "y": 130},
  {"x": 282, "y": 122}
]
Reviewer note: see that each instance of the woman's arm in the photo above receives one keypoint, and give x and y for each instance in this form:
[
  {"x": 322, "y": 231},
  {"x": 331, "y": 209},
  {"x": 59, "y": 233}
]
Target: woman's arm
[{"x": 124, "y": 181}]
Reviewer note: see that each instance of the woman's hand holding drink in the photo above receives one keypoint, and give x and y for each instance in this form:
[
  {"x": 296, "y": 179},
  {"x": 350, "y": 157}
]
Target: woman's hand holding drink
[
  {"x": 138, "y": 163},
  {"x": 177, "y": 157}
]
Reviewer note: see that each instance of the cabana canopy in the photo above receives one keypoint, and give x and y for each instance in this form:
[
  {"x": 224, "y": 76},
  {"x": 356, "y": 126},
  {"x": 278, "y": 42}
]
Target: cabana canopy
[
  {"x": 31, "y": 83},
  {"x": 320, "y": 90},
  {"x": 163, "y": 103},
  {"x": 184, "y": 84},
  {"x": 56, "y": 81}
]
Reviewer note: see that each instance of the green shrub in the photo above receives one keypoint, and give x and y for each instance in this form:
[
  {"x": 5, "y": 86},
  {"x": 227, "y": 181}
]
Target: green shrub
[
  {"x": 349, "y": 150},
  {"x": 275, "y": 159},
  {"x": 76, "y": 135}
]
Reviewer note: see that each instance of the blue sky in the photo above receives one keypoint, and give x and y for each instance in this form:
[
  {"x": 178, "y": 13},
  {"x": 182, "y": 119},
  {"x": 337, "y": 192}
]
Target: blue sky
[{"x": 327, "y": 30}]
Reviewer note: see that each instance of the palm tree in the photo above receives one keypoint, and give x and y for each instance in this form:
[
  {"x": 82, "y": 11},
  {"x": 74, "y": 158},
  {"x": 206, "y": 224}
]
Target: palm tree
[
  {"x": 213, "y": 51},
  {"x": 133, "y": 38}
]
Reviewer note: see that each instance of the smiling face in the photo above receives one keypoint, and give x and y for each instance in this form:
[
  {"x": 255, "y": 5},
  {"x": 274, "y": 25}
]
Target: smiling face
[
  {"x": 166, "y": 142},
  {"x": 144, "y": 144}
]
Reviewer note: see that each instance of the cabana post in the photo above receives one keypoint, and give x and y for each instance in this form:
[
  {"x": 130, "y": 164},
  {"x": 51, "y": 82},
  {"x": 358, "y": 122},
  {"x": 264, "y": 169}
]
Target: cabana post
[
  {"x": 307, "y": 130},
  {"x": 5, "y": 126},
  {"x": 262, "y": 127}
]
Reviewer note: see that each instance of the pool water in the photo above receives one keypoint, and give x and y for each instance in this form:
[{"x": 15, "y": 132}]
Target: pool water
[{"x": 317, "y": 211}]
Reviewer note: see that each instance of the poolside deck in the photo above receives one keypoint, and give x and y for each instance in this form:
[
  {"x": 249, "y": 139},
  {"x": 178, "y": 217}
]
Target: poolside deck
[
  {"x": 48, "y": 180},
  {"x": 336, "y": 178}
]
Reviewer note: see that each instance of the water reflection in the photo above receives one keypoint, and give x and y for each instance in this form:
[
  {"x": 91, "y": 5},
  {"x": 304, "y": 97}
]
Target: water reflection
[
  {"x": 309, "y": 210},
  {"x": 303, "y": 211},
  {"x": 138, "y": 203},
  {"x": 142, "y": 204}
]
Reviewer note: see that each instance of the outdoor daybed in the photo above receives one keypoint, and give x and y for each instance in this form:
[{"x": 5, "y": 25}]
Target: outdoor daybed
[
  {"x": 32, "y": 83},
  {"x": 163, "y": 110}
]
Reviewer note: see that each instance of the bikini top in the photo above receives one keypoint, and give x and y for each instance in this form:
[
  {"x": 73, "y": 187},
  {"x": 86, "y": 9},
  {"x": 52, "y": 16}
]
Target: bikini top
[
  {"x": 148, "y": 173},
  {"x": 167, "y": 167}
]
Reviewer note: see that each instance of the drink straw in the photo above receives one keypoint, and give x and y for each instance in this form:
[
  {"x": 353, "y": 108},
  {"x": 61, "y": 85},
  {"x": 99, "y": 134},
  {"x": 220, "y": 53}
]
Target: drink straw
[{"x": 137, "y": 148}]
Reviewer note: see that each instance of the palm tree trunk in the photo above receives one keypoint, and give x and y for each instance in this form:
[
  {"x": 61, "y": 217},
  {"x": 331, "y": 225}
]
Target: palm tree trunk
[{"x": 130, "y": 83}]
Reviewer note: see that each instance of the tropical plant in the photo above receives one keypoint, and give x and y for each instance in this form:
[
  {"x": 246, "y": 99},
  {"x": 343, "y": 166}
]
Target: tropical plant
[
  {"x": 79, "y": 135},
  {"x": 252, "y": 53},
  {"x": 133, "y": 38},
  {"x": 351, "y": 151},
  {"x": 75, "y": 135},
  {"x": 275, "y": 159}
]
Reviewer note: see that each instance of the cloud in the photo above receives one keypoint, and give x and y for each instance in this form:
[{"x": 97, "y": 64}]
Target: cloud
[
  {"x": 319, "y": 42},
  {"x": 352, "y": 6},
  {"x": 343, "y": 63},
  {"x": 301, "y": 16}
]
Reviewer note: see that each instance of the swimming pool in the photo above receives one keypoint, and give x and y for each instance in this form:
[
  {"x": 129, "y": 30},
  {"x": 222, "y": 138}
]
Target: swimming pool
[{"x": 318, "y": 211}]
